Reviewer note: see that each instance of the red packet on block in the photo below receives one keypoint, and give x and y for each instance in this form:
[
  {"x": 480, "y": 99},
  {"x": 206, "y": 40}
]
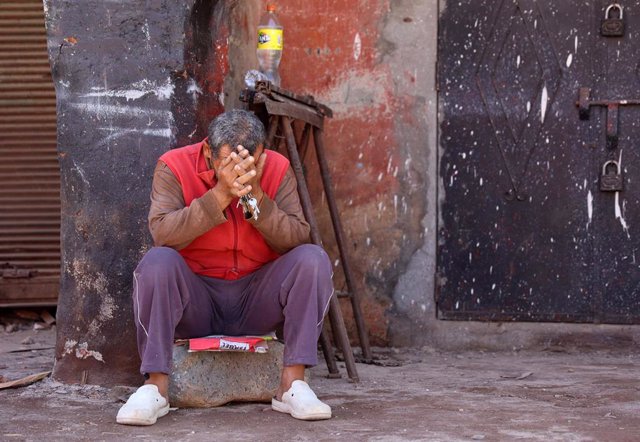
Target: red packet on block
[{"x": 251, "y": 344}]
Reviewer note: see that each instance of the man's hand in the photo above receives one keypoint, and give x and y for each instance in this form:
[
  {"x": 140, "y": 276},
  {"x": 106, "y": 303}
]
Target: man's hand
[
  {"x": 245, "y": 163},
  {"x": 234, "y": 175}
]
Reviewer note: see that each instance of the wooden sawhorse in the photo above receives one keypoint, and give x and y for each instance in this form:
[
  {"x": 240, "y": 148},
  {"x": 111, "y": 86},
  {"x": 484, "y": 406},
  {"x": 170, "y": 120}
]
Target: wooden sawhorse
[{"x": 280, "y": 109}]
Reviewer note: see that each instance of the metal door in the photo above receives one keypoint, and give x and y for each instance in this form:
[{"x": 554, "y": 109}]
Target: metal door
[
  {"x": 29, "y": 172},
  {"x": 524, "y": 232}
]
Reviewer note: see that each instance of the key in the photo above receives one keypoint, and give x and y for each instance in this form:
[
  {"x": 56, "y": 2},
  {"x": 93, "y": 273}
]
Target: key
[
  {"x": 253, "y": 206},
  {"x": 249, "y": 206}
]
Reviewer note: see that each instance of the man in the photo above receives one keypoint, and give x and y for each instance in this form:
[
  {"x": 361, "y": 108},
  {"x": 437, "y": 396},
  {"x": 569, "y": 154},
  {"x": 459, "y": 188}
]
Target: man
[{"x": 213, "y": 271}]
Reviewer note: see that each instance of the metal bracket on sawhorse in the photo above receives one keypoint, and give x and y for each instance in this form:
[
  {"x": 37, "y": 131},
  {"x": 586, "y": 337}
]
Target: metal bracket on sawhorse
[
  {"x": 584, "y": 104},
  {"x": 281, "y": 108}
]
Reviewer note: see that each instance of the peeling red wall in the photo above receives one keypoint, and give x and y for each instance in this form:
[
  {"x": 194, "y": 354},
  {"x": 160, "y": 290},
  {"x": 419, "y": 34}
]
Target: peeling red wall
[
  {"x": 335, "y": 51},
  {"x": 322, "y": 57}
]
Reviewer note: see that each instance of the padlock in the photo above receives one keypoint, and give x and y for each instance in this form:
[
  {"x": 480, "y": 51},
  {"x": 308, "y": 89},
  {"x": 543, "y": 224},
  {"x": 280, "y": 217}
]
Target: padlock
[
  {"x": 611, "y": 179},
  {"x": 612, "y": 27}
]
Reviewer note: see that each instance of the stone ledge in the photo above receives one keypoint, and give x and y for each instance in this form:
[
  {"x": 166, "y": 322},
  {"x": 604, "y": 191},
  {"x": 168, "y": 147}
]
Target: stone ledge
[{"x": 211, "y": 379}]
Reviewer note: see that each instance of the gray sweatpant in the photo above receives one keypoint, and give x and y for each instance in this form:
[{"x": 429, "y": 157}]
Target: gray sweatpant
[{"x": 170, "y": 301}]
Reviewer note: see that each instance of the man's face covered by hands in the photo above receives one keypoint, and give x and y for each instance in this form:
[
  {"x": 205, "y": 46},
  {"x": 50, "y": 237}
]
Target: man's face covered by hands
[{"x": 236, "y": 169}]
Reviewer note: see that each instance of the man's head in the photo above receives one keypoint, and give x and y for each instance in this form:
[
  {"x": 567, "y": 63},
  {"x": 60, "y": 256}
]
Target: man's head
[{"x": 233, "y": 128}]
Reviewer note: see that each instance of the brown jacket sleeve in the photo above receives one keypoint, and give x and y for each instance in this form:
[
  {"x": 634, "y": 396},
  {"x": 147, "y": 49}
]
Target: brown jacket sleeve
[
  {"x": 281, "y": 222},
  {"x": 170, "y": 222}
]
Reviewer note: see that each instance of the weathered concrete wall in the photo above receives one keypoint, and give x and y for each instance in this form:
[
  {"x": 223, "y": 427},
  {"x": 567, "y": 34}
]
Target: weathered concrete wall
[
  {"x": 132, "y": 81},
  {"x": 413, "y": 295}
]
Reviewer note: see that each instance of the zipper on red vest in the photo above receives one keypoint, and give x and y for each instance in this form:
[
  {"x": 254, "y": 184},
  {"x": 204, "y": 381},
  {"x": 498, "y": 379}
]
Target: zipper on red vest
[{"x": 235, "y": 241}]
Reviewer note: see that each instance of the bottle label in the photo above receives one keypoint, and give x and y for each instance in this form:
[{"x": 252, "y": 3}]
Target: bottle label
[{"x": 269, "y": 38}]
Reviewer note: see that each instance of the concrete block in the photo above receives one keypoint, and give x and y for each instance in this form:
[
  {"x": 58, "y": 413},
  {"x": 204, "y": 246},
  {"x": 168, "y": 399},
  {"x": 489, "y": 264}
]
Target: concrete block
[{"x": 210, "y": 379}]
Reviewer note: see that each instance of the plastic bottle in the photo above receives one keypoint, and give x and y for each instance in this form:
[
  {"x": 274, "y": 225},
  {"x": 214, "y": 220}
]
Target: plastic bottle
[{"x": 270, "y": 42}]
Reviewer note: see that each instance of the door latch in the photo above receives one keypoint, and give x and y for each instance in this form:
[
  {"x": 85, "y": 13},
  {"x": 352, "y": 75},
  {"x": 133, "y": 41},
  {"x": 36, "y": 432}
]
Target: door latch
[{"x": 585, "y": 102}]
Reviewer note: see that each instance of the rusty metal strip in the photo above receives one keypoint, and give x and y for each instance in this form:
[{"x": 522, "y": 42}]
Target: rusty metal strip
[{"x": 29, "y": 173}]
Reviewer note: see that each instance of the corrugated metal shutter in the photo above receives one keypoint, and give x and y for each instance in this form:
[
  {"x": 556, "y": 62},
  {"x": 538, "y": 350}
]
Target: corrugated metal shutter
[{"x": 29, "y": 171}]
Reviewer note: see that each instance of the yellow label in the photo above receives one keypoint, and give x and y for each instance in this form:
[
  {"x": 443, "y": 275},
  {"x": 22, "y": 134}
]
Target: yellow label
[{"x": 270, "y": 39}]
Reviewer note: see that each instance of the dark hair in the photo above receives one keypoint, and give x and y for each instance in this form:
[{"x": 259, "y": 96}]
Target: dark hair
[{"x": 236, "y": 127}]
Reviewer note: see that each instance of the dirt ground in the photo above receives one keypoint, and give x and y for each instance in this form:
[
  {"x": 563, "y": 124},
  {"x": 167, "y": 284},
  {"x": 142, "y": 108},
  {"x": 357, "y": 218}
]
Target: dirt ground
[{"x": 411, "y": 394}]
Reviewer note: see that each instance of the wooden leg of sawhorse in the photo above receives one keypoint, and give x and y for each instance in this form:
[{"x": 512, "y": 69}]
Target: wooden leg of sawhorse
[
  {"x": 335, "y": 314},
  {"x": 329, "y": 354},
  {"x": 354, "y": 295}
]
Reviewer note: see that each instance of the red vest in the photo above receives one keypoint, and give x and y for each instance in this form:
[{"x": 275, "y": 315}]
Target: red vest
[{"x": 235, "y": 248}]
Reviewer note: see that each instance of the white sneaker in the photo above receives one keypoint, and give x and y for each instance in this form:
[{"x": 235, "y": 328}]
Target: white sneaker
[
  {"x": 144, "y": 407},
  {"x": 302, "y": 403}
]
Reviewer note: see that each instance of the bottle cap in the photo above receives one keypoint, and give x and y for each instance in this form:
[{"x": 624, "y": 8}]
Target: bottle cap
[{"x": 271, "y": 7}]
